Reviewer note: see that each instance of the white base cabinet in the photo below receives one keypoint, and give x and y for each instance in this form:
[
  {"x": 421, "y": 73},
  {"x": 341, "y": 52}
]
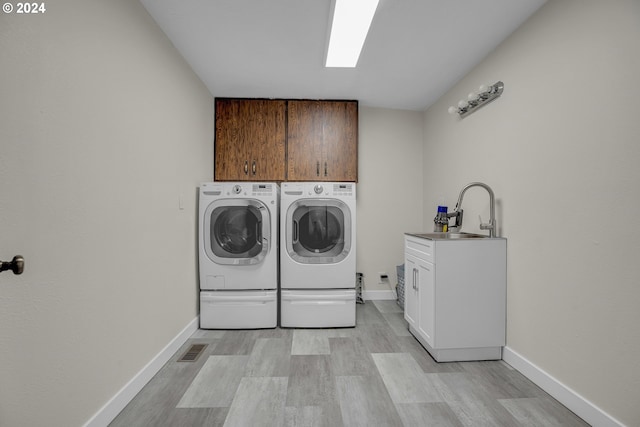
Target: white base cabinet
[{"x": 455, "y": 296}]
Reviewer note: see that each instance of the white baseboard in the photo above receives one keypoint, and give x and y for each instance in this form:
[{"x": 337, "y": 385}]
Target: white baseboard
[
  {"x": 378, "y": 295},
  {"x": 118, "y": 402},
  {"x": 568, "y": 397}
]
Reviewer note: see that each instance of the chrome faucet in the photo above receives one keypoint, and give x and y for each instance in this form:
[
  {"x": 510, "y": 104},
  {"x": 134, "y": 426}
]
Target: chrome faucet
[{"x": 457, "y": 212}]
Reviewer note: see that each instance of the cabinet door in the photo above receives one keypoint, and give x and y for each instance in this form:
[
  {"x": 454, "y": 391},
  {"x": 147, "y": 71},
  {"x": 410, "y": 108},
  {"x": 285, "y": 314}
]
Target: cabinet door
[
  {"x": 426, "y": 302},
  {"x": 231, "y": 151},
  {"x": 411, "y": 290},
  {"x": 322, "y": 141},
  {"x": 340, "y": 141},
  {"x": 250, "y": 140},
  {"x": 304, "y": 140}
]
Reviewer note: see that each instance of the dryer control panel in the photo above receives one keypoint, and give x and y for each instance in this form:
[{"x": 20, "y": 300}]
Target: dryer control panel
[{"x": 343, "y": 189}]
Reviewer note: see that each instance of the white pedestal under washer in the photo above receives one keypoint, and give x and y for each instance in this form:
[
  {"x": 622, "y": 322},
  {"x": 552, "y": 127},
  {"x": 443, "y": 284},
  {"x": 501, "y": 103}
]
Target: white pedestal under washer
[
  {"x": 318, "y": 254},
  {"x": 238, "y": 255}
]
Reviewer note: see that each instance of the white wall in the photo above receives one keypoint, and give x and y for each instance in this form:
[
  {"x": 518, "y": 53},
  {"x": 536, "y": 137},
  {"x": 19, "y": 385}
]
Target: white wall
[
  {"x": 389, "y": 190},
  {"x": 103, "y": 127},
  {"x": 560, "y": 149}
]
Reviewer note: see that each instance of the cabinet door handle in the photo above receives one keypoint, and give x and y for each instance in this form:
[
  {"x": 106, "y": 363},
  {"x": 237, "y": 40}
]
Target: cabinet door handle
[
  {"x": 317, "y": 168},
  {"x": 325, "y": 168},
  {"x": 253, "y": 167},
  {"x": 246, "y": 167},
  {"x": 417, "y": 280}
]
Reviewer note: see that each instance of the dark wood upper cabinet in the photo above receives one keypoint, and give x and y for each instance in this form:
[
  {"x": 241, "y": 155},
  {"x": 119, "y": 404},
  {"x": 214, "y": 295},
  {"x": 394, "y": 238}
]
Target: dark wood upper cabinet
[
  {"x": 322, "y": 141},
  {"x": 250, "y": 140},
  {"x": 286, "y": 140}
]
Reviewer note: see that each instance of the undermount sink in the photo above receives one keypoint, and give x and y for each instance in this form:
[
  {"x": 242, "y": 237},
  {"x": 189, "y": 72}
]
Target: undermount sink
[{"x": 449, "y": 236}]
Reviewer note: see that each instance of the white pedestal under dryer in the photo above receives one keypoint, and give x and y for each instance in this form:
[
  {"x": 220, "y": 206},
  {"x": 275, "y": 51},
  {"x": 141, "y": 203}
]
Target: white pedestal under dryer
[
  {"x": 238, "y": 255},
  {"x": 318, "y": 254}
]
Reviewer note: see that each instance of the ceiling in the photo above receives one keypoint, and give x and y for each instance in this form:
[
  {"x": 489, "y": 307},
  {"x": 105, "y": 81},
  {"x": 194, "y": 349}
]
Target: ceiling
[{"x": 416, "y": 50}]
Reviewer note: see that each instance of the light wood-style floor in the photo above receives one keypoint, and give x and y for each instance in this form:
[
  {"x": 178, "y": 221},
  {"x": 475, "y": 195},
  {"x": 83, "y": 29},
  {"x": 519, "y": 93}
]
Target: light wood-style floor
[{"x": 375, "y": 374}]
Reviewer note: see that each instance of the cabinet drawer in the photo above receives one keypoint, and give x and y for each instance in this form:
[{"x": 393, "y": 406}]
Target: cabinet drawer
[{"x": 420, "y": 248}]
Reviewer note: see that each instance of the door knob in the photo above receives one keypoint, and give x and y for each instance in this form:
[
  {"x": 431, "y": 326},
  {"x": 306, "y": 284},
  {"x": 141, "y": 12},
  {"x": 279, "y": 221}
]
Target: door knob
[{"x": 16, "y": 265}]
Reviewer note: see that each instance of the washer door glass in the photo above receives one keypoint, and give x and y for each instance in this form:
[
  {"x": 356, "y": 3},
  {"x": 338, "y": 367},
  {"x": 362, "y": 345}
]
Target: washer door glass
[
  {"x": 318, "y": 231},
  {"x": 237, "y": 231}
]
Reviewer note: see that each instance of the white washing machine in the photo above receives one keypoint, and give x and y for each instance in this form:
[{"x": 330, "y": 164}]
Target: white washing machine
[
  {"x": 238, "y": 255},
  {"x": 318, "y": 254}
]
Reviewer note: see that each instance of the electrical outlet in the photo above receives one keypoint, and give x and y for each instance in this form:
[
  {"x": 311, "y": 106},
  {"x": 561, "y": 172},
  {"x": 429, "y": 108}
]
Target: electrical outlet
[{"x": 383, "y": 277}]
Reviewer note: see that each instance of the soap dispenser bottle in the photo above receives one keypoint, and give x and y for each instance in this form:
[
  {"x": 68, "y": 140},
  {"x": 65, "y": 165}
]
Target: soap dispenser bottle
[{"x": 441, "y": 221}]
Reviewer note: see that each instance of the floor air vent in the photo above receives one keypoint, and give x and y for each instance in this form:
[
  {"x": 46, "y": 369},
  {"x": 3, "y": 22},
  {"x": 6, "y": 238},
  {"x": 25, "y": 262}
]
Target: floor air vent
[{"x": 192, "y": 354}]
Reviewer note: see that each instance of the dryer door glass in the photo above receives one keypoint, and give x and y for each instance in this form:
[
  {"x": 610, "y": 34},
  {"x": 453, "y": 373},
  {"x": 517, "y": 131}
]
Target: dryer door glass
[
  {"x": 237, "y": 231},
  {"x": 318, "y": 231}
]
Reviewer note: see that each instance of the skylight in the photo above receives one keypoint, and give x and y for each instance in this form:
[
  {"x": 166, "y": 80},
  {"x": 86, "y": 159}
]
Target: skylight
[{"x": 349, "y": 28}]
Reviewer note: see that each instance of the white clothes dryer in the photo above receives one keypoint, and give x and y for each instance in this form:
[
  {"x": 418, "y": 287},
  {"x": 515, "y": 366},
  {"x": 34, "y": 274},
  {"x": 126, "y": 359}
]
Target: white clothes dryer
[
  {"x": 318, "y": 254},
  {"x": 238, "y": 255}
]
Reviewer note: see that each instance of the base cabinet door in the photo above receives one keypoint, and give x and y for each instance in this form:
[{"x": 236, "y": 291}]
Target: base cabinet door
[
  {"x": 426, "y": 301},
  {"x": 411, "y": 290}
]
